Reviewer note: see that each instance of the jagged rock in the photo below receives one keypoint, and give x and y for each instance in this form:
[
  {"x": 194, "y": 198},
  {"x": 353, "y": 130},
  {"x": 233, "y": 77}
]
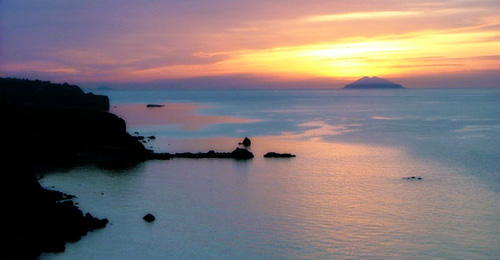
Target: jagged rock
[
  {"x": 278, "y": 155},
  {"x": 62, "y": 133},
  {"x": 238, "y": 154},
  {"x": 149, "y": 217},
  {"x": 39, "y": 220},
  {"x": 246, "y": 142}
]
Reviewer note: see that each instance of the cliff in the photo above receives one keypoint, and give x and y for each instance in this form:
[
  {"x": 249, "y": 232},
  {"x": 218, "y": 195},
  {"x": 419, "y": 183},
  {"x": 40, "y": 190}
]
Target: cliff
[
  {"x": 64, "y": 126},
  {"x": 36, "y": 93},
  {"x": 46, "y": 125}
]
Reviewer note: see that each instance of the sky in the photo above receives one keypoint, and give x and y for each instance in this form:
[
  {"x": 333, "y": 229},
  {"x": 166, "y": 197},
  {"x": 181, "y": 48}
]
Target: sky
[{"x": 236, "y": 43}]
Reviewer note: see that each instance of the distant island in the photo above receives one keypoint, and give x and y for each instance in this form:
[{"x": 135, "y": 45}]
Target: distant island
[{"x": 372, "y": 83}]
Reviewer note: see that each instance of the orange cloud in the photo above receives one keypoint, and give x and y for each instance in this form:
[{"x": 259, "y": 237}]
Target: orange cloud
[{"x": 296, "y": 40}]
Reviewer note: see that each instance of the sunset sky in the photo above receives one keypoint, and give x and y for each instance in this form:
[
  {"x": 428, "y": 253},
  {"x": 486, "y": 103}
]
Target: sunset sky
[{"x": 232, "y": 43}]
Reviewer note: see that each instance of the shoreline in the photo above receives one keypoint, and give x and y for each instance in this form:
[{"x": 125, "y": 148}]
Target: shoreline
[{"x": 52, "y": 126}]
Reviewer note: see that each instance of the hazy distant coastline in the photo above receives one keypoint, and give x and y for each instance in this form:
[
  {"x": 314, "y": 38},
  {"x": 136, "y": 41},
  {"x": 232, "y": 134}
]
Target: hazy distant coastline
[{"x": 373, "y": 83}]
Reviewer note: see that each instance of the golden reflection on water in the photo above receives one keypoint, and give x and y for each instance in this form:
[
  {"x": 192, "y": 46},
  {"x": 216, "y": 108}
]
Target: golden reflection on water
[
  {"x": 342, "y": 197},
  {"x": 354, "y": 196},
  {"x": 333, "y": 201},
  {"x": 184, "y": 115}
]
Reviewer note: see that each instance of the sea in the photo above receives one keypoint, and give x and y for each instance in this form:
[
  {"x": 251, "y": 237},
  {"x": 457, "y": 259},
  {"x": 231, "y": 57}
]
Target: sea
[{"x": 348, "y": 193}]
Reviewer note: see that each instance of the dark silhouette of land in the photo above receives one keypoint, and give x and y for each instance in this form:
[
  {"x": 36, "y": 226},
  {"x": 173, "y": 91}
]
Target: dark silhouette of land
[
  {"x": 154, "y": 105},
  {"x": 372, "y": 83},
  {"x": 37, "y": 93},
  {"x": 278, "y": 155},
  {"x": 238, "y": 154},
  {"x": 47, "y": 126}
]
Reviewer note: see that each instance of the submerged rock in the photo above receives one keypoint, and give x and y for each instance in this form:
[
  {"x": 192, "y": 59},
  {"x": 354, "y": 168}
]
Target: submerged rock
[{"x": 278, "y": 155}]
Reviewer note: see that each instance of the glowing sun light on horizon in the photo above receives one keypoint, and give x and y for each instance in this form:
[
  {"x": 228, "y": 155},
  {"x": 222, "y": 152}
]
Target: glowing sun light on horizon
[{"x": 394, "y": 55}]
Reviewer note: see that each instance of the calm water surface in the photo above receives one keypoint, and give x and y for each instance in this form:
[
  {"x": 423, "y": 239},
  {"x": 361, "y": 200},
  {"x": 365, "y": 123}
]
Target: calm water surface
[{"x": 343, "y": 197}]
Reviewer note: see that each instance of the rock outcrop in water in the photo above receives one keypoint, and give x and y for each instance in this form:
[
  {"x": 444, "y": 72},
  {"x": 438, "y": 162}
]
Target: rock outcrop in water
[
  {"x": 238, "y": 154},
  {"x": 413, "y": 178},
  {"x": 35, "y": 219},
  {"x": 149, "y": 217},
  {"x": 278, "y": 155},
  {"x": 246, "y": 142},
  {"x": 154, "y": 105},
  {"x": 372, "y": 83}
]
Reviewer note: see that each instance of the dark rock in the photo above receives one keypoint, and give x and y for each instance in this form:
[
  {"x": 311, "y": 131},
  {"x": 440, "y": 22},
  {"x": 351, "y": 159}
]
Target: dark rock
[
  {"x": 413, "y": 178},
  {"x": 238, "y": 154},
  {"x": 154, "y": 105},
  {"x": 372, "y": 83},
  {"x": 278, "y": 155},
  {"x": 61, "y": 133},
  {"x": 62, "y": 126},
  {"x": 149, "y": 218},
  {"x": 152, "y": 137},
  {"x": 21, "y": 92},
  {"x": 39, "y": 220},
  {"x": 246, "y": 142},
  {"x": 64, "y": 137}
]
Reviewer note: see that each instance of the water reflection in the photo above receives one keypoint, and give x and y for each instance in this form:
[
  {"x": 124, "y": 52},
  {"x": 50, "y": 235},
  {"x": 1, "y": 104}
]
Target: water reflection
[
  {"x": 333, "y": 201},
  {"x": 316, "y": 130},
  {"x": 184, "y": 115}
]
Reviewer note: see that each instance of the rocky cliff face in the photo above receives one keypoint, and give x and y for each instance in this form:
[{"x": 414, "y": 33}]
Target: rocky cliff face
[
  {"x": 35, "y": 219},
  {"x": 46, "y": 125},
  {"x": 46, "y": 94},
  {"x": 63, "y": 125}
]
